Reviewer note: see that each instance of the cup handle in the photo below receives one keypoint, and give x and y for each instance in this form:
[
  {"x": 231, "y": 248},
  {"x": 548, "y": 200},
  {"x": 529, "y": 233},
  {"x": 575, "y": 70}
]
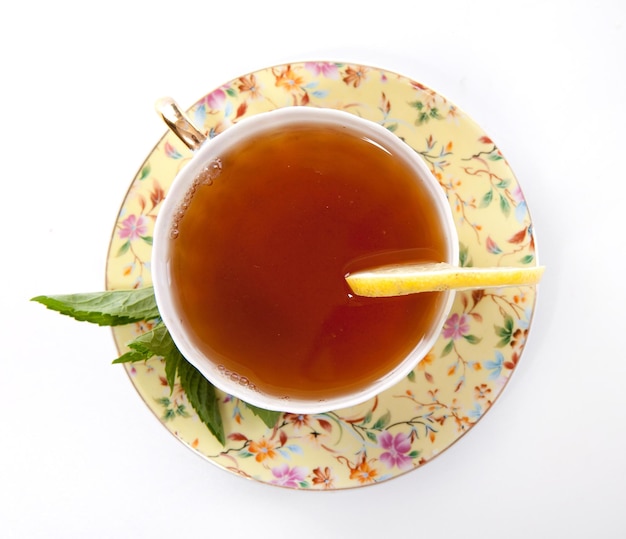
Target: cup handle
[{"x": 179, "y": 123}]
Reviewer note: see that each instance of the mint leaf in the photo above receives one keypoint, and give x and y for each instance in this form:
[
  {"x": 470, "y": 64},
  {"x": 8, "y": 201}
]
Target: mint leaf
[
  {"x": 172, "y": 361},
  {"x": 156, "y": 342},
  {"x": 132, "y": 356},
  {"x": 268, "y": 417},
  {"x": 112, "y": 308},
  {"x": 120, "y": 307},
  {"x": 201, "y": 395}
]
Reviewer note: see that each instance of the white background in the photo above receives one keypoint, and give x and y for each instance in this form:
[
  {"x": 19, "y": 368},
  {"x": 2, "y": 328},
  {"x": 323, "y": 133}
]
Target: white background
[{"x": 80, "y": 454}]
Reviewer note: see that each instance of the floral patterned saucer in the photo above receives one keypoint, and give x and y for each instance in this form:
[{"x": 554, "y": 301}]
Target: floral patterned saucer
[{"x": 482, "y": 340}]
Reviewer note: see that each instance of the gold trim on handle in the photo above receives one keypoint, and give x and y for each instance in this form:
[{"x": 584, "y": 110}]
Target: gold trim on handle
[{"x": 179, "y": 123}]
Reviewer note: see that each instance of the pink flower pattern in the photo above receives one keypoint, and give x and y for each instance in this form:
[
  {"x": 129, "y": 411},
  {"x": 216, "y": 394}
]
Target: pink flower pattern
[
  {"x": 288, "y": 477},
  {"x": 396, "y": 449},
  {"x": 325, "y": 69},
  {"x": 456, "y": 326},
  {"x": 215, "y": 99},
  {"x": 133, "y": 227}
]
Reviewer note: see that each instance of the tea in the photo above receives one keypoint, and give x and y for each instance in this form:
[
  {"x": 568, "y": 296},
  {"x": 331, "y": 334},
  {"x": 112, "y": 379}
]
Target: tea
[{"x": 261, "y": 251}]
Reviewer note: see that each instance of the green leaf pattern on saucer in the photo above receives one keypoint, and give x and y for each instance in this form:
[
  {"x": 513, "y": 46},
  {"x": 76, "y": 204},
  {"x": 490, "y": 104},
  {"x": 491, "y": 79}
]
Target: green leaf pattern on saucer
[{"x": 482, "y": 340}]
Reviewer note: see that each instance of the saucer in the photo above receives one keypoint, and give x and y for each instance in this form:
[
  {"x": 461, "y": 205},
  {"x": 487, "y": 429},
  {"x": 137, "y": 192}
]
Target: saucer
[{"x": 479, "y": 347}]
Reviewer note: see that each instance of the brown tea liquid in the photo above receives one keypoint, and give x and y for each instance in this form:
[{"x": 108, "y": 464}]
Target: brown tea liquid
[{"x": 259, "y": 262}]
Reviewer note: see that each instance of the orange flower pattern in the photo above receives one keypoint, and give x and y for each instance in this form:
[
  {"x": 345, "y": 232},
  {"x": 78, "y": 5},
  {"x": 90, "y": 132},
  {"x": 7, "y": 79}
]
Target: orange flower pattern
[
  {"x": 323, "y": 478},
  {"x": 354, "y": 76},
  {"x": 263, "y": 449},
  {"x": 363, "y": 472},
  {"x": 483, "y": 339}
]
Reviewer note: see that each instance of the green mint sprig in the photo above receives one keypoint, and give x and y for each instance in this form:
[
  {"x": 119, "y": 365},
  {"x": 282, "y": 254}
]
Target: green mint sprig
[{"x": 118, "y": 307}]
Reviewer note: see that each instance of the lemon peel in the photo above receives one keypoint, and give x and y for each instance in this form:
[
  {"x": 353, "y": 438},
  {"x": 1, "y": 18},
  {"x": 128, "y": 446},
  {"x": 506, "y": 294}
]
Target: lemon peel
[{"x": 404, "y": 279}]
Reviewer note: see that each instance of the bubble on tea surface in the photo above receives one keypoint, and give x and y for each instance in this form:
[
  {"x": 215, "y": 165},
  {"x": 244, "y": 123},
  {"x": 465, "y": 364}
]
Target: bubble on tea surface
[
  {"x": 237, "y": 378},
  {"x": 206, "y": 176},
  {"x": 210, "y": 172}
]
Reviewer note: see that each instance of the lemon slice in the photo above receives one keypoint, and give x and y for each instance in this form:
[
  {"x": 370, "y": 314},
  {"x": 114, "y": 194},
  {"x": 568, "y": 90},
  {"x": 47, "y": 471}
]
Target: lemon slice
[{"x": 404, "y": 279}]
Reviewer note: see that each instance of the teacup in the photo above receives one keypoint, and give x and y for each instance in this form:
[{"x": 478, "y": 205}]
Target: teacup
[{"x": 254, "y": 240}]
